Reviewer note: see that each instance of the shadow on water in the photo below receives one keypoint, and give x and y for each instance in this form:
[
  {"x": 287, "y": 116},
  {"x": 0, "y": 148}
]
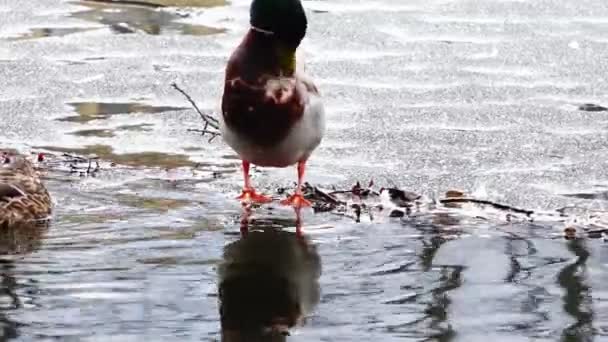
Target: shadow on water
[
  {"x": 14, "y": 241},
  {"x": 147, "y": 16},
  {"x": 35, "y": 33},
  {"x": 577, "y": 299},
  {"x": 111, "y": 132},
  {"x": 89, "y": 111},
  {"x": 268, "y": 283}
]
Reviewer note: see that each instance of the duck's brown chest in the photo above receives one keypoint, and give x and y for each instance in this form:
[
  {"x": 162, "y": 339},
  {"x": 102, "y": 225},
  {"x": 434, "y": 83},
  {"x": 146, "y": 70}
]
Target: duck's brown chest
[
  {"x": 263, "y": 112},
  {"x": 261, "y": 101}
]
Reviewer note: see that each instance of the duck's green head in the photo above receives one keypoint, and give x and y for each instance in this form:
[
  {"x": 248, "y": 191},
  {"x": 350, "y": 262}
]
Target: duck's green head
[{"x": 286, "y": 19}]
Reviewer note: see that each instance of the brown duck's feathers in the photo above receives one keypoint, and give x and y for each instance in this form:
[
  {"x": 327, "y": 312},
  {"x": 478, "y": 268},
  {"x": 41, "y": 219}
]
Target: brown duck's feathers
[{"x": 23, "y": 197}]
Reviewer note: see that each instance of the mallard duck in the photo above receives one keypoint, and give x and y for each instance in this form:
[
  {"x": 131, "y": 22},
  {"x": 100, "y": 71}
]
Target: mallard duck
[
  {"x": 272, "y": 113},
  {"x": 23, "y": 197}
]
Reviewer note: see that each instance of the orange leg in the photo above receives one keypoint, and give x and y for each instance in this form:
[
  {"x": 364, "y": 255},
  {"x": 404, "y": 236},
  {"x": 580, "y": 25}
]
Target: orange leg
[
  {"x": 249, "y": 194},
  {"x": 297, "y": 200}
]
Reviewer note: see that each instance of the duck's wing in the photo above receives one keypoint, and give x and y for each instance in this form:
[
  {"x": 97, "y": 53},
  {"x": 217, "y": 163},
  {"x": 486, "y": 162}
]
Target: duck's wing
[{"x": 9, "y": 192}]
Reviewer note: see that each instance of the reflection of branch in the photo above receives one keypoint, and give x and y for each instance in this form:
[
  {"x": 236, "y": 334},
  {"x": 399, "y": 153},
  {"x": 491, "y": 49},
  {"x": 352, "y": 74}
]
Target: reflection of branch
[
  {"x": 494, "y": 204},
  {"x": 209, "y": 120},
  {"x": 74, "y": 162},
  {"x": 577, "y": 296}
]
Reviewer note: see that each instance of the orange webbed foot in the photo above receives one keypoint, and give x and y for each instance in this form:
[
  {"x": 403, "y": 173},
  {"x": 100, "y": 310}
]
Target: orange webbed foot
[
  {"x": 249, "y": 195},
  {"x": 296, "y": 201}
]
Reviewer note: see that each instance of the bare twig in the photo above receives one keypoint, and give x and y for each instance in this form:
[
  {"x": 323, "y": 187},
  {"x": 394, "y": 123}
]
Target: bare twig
[
  {"x": 209, "y": 120},
  {"x": 213, "y": 134},
  {"x": 357, "y": 190}
]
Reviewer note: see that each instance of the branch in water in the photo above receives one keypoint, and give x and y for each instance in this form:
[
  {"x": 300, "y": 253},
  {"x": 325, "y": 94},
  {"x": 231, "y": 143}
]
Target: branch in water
[
  {"x": 209, "y": 120},
  {"x": 486, "y": 202}
]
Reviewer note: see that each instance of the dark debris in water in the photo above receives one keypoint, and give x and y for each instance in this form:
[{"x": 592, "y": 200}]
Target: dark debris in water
[
  {"x": 365, "y": 203},
  {"x": 357, "y": 202},
  {"x": 589, "y": 195},
  {"x": 402, "y": 198},
  {"x": 591, "y": 107}
]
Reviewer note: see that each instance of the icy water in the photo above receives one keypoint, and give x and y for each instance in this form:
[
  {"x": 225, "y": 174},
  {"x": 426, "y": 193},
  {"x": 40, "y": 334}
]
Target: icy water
[{"x": 482, "y": 96}]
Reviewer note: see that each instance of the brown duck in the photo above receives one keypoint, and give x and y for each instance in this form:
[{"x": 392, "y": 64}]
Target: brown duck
[{"x": 23, "y": 197}]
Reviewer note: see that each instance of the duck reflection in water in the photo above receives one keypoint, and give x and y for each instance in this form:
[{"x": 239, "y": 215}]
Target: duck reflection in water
[
  {"x": 16, "y": 240},
  {"x": 268, "y": 281}
]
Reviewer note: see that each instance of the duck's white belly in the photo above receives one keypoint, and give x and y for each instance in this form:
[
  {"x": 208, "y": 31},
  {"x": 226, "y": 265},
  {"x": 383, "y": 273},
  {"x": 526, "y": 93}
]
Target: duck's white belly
[{"x": 302, "y": 139}]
